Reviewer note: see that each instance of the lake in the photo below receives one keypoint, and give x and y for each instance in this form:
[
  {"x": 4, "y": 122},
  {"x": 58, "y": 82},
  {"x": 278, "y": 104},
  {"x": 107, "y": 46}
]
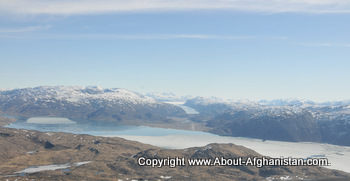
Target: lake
[
  {"x": 56, "y": 124},
  {"x": 338, "y": 156}
]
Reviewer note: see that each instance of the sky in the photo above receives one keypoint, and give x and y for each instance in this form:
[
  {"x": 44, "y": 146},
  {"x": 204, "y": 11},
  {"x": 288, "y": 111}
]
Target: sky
[{"x": 235, "y": 49}]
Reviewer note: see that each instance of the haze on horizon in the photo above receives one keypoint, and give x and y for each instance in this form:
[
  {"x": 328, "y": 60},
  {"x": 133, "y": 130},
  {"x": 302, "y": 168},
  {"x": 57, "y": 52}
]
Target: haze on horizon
[{"x": 251, "y": 50}]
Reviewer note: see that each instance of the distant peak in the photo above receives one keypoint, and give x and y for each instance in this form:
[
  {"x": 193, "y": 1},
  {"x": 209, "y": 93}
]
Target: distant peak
[{"x": 94, "y": 87}]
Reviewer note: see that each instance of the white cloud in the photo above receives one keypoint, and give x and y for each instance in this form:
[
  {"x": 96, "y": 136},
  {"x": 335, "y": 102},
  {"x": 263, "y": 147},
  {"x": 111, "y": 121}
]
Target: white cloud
[
  {"x": 130, "y": 37},
  {"x": 25, "y": 29},
  {"x": 316, "y": 44},
  {"x": 324, "y": 44},
  {"x": 73, "y": 7},
  {"x": 167, "y": 36},
  {"x": 11, "y": 34}
]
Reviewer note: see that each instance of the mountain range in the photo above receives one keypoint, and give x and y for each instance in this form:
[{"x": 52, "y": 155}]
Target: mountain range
[
  {"x": 293, "y": 120},
  {"x": 92, "y": 103},
  {"x": 284, "y": 119}
]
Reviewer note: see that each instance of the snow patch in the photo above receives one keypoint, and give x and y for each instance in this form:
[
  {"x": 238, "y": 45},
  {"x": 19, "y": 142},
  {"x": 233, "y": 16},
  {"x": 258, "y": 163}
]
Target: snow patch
[
  {"x": 187, "y": 109},
  {"x": 49, "y": 120},
  {"x": 34, "y": 169},
  {"x": 286, "y": 178}
]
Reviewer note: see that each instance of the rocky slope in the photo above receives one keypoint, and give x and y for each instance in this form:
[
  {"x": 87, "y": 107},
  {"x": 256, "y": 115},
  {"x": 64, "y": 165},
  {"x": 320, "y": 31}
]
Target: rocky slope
[
  {"x": 333, "y": 121},
  {"x": 333, "y": 118},
  {"x": 5, "y": 121},
  {"x": 93, "y": 103},
  {"x": 84, "y": 157},
  {"x": 286, "y": 120},
  {"x": 282, "y": 124}
]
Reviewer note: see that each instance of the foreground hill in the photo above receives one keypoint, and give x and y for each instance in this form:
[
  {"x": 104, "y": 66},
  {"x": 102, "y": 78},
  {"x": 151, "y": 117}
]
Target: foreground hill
[
  {"x": 81, "y": 157},
  {"x": 93, "y": 103}
]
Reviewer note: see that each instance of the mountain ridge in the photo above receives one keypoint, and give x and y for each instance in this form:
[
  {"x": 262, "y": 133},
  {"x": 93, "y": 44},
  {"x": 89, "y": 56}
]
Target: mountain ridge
[
  {"x": 326, "y": 123},
  {"x": 93, "y": 103}
]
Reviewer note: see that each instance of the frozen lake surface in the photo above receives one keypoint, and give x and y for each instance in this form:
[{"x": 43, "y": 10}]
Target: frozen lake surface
[
  {"x": 98, "y": 128},
  {"x": 40, "y": 168},
  {"x": 338, "y": 156},
  {"x": 49, "y": 120},
  {"x": 187, "y": 109}
]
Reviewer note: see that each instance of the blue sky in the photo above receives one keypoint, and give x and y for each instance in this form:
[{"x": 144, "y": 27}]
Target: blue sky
[{"x": 231, "y": 49}]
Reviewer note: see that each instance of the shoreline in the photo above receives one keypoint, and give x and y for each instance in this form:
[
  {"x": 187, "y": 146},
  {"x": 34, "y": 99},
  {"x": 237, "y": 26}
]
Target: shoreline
[
  {"x": 336, "y": 153},
  {"x": 6, "y": 121}
]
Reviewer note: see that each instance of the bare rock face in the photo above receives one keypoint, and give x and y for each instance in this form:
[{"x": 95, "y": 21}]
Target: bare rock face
[
  {"x": 93, "y": 103},
  {"x": 86, "y": 157}
]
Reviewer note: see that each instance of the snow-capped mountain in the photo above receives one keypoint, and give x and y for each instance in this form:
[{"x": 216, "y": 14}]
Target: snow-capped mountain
[
  {"x": 168, "y": 97},
  {"x": 285, "y": 119},
  {"x": 302, "y": 102},
  {"x": 91, "y": 102},
  {"x": 321, "y": 111},
  {"x": 218, "y": 105},
  {"x": 336, "y": 103},
  {"x": 287, "y": 102},
  {"x": 75, "y": 95},
  {"x": 333, "y": 118}
]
